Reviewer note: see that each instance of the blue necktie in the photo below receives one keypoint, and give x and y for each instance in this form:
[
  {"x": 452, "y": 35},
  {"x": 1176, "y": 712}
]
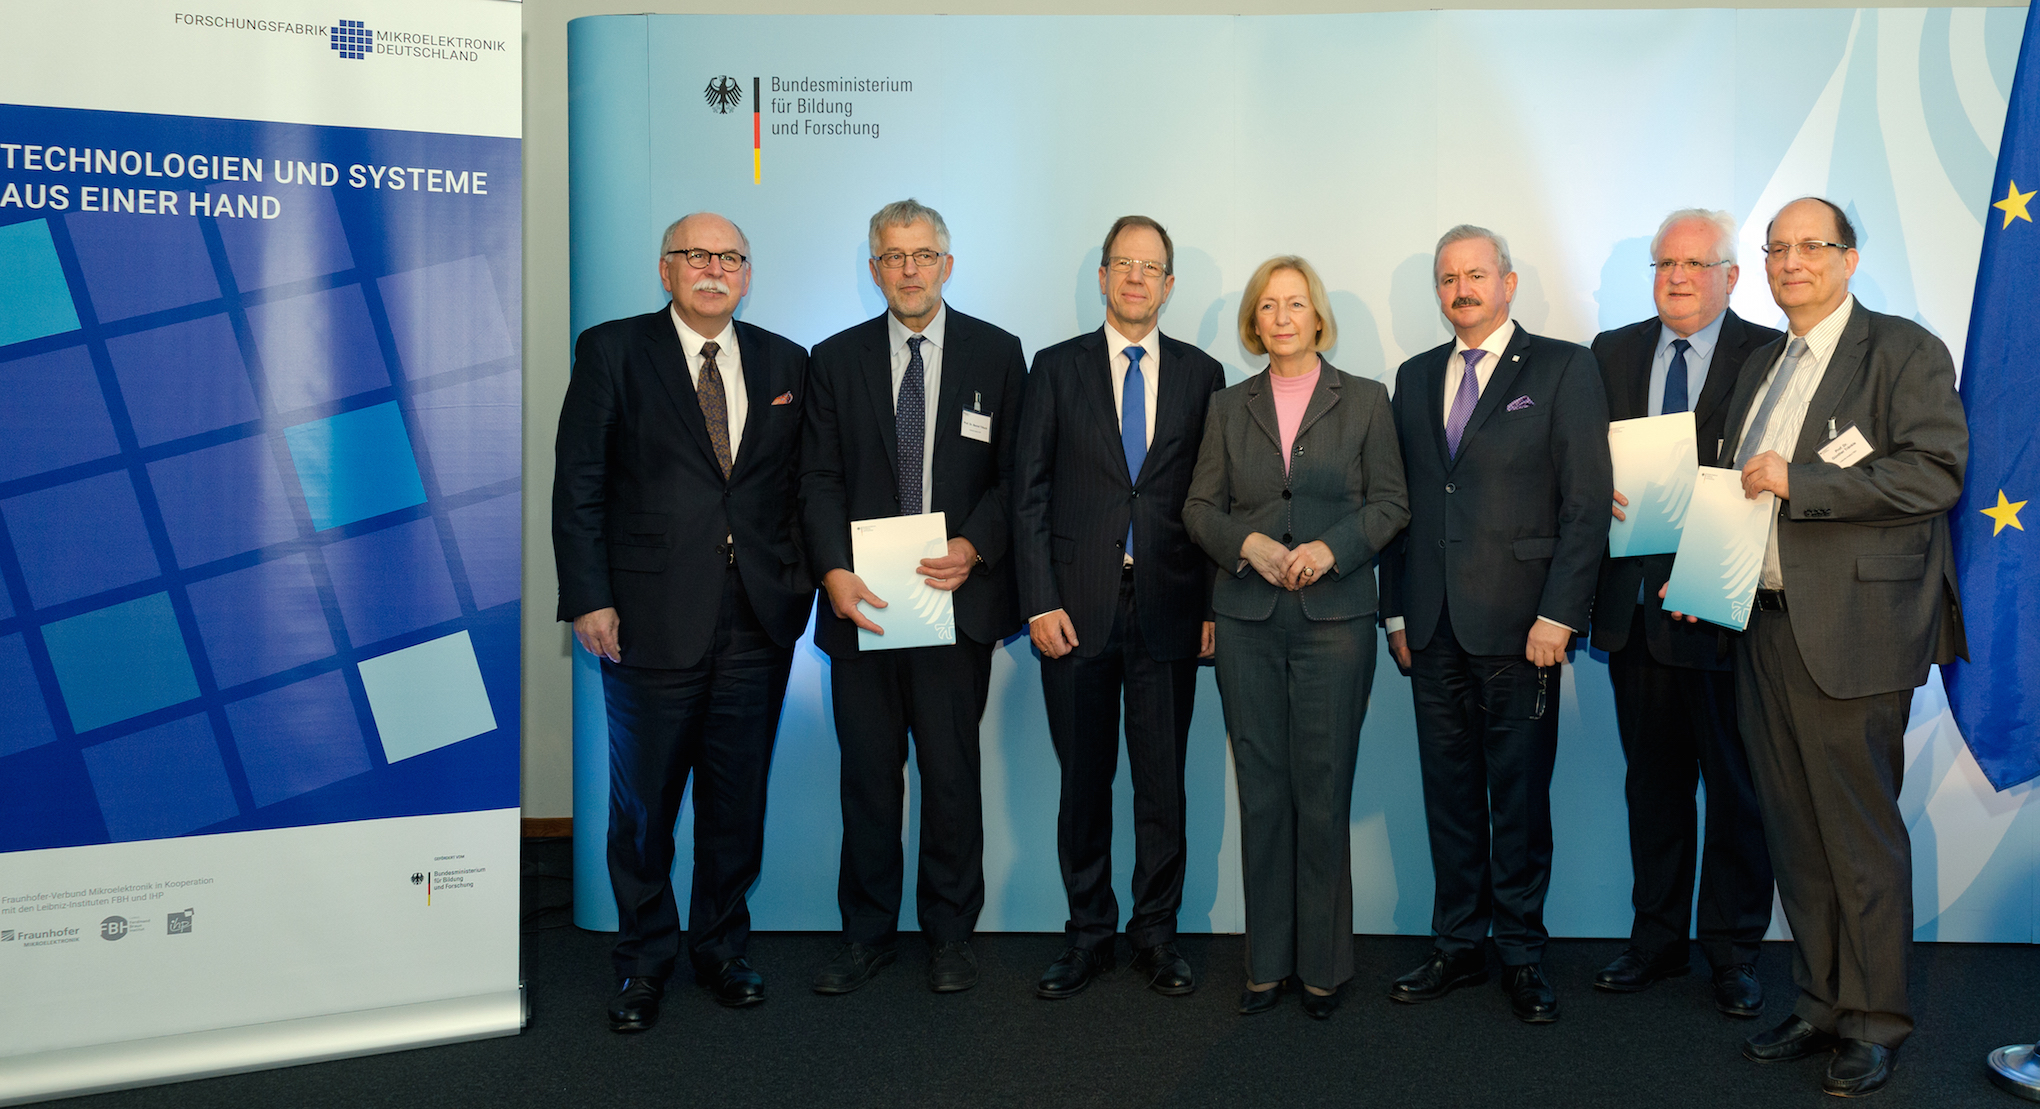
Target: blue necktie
[
  {"x": 1675, "y": 380},
  {"x": 1463, "y": 402},
  {"x": 910, "y": 424},
  {"x": 1133, "y": 424}
]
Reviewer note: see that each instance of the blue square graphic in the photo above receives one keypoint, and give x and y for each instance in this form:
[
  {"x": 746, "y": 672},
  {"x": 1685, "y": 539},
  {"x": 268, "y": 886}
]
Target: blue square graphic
[
  {"x": 295, "y": 739},
  {"x": 52, "y": 414},
  {"x": 112, "y": 247},
  {"x": 446, "y": 317},
  {"x": 473, "y": 432},
  {"x": 355, "y": 465},
  {"x": 32, "y": 285},
  {"x": 223, "y": 501},
  {"x": 261, "y": 620},
  {"x": 162, "y": 782},
  {"x": 489, "y": 534},
  {"x": 391, "y": 581},
  {"x": 317, "y": 348},
  {"x": 304, "y": 240},
  {"x": 79, "y": 539},
  {"x": 428, "y": 696},
  {"x": 26, "y": 723},
  {"x": 183, "y": 379},
  {"x": 119, "y": 662}
]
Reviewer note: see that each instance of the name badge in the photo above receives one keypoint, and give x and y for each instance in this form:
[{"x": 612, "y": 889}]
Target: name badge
[
  {"x": 1848, "y": 450},
  {"x": 977, "y": 425}
]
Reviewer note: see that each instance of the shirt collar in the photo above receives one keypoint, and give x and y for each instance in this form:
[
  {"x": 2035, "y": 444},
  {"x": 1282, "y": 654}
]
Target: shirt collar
[
  {"x": 934, "y": 332},
  {"x": 1823, "y": 337},
  {"x": 690, "y": 340},
  {"x": 1495, "y": 343},
  {"x": 1702, "y": 341},
  {"x": 1152, "y": 343}
]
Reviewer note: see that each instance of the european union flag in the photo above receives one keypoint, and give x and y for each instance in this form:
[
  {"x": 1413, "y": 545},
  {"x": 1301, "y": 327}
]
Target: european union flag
[{"x": 1996, "y": 694}]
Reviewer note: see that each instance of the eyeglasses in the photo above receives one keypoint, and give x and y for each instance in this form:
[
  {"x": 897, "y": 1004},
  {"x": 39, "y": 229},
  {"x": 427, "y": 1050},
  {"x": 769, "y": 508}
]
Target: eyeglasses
[
  {"x": 897, "y": 259},
  {"x": 698, "y": 259},
  {"x": 1128, "y": 265},
  {"x": 1807, "y": 250},
  {"x": 1674, "y": 265}
]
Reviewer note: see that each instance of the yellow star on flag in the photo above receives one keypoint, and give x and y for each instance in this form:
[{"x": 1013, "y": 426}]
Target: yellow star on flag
[
  {"x": 2006, "y": 512},
  {"x": 2014, "y": 207}
]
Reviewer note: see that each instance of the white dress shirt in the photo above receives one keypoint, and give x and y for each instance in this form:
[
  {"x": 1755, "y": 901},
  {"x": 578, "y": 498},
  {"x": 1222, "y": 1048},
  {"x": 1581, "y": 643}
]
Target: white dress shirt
[
  {"x": 931, "y": 386},
  {"x": 1782, "y": 433},
  {"x": 1484, "y": 369},
  {"x": 1698, "y": 360},
  {"x": 1150, "y": 374},
  {"x": 729, "y": 365}
]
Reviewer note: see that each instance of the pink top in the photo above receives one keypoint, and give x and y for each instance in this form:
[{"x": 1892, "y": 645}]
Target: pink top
[{"x": 1292, "y": 396}]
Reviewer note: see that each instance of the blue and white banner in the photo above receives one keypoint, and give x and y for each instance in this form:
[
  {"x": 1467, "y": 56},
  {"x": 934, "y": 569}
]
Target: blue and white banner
[
  {"x": 1325, "y": 136},
  {"x": 260, "y": 459}
]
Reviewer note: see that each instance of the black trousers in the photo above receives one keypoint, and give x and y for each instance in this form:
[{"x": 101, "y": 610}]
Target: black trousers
[
  {"x": 1678, "y": 729},
  {"x": 716, "y": 720},
  {"x": 936, "y": 695},
  {"x": 1083, "y": 697},
  {"x": 1487, "y": 737},
  {"x": 1828, "y": 773}
]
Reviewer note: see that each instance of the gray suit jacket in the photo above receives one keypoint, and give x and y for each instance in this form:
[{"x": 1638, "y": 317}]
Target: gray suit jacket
[
  {"x": 1343, "y": 486},
  {"x": 1869, "y": 575}
]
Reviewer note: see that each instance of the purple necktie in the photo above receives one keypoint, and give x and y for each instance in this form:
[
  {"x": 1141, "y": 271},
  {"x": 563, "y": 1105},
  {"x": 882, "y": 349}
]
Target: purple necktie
[{"x": 1463, "y": 402}]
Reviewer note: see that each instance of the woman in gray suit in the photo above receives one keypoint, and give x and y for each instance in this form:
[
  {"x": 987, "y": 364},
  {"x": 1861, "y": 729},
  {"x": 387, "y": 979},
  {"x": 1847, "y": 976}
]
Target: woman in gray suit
[{"x": 1298, "y": 486}]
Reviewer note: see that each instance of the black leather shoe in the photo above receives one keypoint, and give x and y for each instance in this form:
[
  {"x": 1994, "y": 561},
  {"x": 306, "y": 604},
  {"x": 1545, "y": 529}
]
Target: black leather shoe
[
  {"x": 1530, "y": 996},
  {"x": 1859, "y": 1068},
  {"x": 1070, "y": 973},
  {"x": 1794, "y": 1039},
  {"x": 733, "y": 983},
  {"x": 1633, "y": 970},
  {"x": 1164, "y": 970},
  {"x": 854, "y": 965},
  {"x": 1440, "y": 975},
  {"x": 1261, "y": 1001},
  {"x": 1318, "y": 1006},
  {"x": 952, "y": 967},
  {"x": 1737, "y": 993},
  {"x": 636, "y": 1006}
]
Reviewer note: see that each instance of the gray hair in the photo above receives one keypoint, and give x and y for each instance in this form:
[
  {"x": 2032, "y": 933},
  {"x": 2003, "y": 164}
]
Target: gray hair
[
  {"x": 904, "y": 213},
  {"x": 1466, "y": 231},
  {"x": 1723, "y": 222},
  {"x": 666, "y": 237}
]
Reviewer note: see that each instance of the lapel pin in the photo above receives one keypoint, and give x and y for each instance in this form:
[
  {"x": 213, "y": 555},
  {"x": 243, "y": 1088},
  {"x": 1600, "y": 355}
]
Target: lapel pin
[{"x": 1515, "y": 358}]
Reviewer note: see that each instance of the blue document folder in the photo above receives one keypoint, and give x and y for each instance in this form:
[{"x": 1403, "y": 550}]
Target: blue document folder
[
  {"x": 1654, "y": 466},
  {"x": 1721, "y": 550},
  {"x": 884, "y": 552}
]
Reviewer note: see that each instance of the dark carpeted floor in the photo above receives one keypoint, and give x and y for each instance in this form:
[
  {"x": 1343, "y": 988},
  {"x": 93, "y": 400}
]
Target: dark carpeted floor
[{"x": 896, "y": 1044}]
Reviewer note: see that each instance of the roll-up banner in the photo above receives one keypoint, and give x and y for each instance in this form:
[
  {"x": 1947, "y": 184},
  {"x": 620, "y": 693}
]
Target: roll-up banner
[
  {"x": 1353, "y": 140},
  {"x": 260, "y": 456}
]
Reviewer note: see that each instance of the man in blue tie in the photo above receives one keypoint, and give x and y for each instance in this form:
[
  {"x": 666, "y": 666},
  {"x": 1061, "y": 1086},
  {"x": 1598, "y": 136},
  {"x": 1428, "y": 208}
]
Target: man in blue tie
[
  {"x": 914, "y": 412},
  {"x": 1674, "y": 693},
  {"x": 1117, "y": 598}
]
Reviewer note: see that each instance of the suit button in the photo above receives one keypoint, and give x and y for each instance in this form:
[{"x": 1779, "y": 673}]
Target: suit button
[
  {"x": 1287, "y": 539},
  {"x": 1136, "y": 494},
  {"x": 1120, "y": 543},
  {"x": 1285, "y": 494},
  {"x": 1451, "y": 488},
  {"x": 1441, "y": 544}
]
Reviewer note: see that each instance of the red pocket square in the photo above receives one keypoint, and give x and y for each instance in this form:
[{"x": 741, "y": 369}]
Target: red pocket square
[{"x": 783, "y": 398}]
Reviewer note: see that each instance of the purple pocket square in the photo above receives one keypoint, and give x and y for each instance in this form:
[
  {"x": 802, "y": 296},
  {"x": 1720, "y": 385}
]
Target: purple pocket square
[{"x": 1520, "y": 403}]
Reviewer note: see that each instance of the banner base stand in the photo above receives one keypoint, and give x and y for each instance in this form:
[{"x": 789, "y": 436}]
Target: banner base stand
[
  {"x": 2016, "y": 1070},
  {"x": 118, "y": 1066}
]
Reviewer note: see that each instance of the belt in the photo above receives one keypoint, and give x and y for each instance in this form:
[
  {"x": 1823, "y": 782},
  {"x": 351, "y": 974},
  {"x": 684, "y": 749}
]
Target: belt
[{"x": 1770, "y": 600}]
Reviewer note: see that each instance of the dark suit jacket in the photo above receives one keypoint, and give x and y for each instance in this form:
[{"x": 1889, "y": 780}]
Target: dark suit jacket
[
  {"x": 640, "y": 508},
  {"x": 1869, "y": 574},
  {"x": 848, "y": 458},
  {"x": 1625, "y": 354},
  {"x": 1343, "y": 487},
  {"x": 1515, "y": 527},
  {"x": 1072, "y": 497}
]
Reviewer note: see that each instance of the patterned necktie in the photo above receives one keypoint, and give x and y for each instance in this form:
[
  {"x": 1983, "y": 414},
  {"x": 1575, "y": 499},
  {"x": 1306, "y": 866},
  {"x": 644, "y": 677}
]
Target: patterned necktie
[
  {"x": 1133, "y": 424},
  {"x": 1463, "y": 402},
  {"x": 910, "y": 425},
  {"x": 715, "y": 408},
  {"x": 1753, "y": 440},
  {"x": 1675, "y": 380}
]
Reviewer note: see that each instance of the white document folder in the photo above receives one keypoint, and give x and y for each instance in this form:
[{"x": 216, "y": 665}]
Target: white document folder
[
  {"x": 1654, "y": 466},
  {"x": 885, "y": 552},
  {"x": 1721, "y": 550}
]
